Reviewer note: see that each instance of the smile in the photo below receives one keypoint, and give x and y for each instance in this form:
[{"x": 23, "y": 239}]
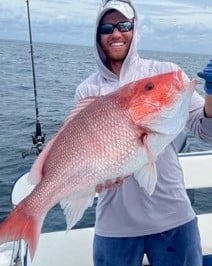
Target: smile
[{"x": 117, "y": 44}]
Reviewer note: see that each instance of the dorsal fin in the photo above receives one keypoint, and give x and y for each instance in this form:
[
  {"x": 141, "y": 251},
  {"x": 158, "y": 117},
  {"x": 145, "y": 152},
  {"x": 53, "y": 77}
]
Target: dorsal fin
[
  {"x": 35, "y": 174},
  {"x": 79, "y": 107}
]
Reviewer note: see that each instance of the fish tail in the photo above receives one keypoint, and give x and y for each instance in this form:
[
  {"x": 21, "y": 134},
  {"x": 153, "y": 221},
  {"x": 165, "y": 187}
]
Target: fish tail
[{"x": 19, "y": 225}]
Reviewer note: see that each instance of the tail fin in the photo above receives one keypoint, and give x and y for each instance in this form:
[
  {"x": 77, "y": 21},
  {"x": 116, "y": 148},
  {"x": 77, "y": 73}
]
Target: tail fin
[{"x": 19, "y": 225}]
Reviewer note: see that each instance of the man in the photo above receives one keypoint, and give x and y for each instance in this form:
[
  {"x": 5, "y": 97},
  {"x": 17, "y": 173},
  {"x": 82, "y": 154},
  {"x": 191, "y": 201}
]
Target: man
[{"x": 129, "y": 222}]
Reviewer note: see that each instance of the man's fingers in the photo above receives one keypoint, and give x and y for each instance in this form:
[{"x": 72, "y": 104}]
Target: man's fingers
[
  {"x": 99, "y": 188},
  {"x": 119, "y": 181},
  {"x": 109, "y": 185}
]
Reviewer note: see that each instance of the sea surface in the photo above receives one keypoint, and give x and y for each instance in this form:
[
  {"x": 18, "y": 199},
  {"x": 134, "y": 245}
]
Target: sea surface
[{"x": 59, "y": 69}]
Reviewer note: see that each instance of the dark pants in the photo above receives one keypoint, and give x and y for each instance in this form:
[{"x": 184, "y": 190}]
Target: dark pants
[
  {"x": 177, "y": 247},
  {"x": 207, "y": 260}
]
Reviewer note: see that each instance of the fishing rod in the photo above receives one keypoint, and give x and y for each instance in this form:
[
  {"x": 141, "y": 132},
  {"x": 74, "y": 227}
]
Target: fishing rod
[{"x": 38, "y": 139}]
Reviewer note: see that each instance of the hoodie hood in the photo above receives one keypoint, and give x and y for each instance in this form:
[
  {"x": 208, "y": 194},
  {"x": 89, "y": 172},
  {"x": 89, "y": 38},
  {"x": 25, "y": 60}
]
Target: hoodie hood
[
  {"x": 126, "y": 8},
  {"x": 123, "y": 7}
]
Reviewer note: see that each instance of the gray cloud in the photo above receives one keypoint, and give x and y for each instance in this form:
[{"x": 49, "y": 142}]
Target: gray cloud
[{"x": 166, "y": 25}]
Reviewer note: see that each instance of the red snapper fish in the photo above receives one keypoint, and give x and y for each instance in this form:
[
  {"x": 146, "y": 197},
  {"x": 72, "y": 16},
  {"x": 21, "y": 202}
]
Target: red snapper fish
[{"x": 105, "y": 137}]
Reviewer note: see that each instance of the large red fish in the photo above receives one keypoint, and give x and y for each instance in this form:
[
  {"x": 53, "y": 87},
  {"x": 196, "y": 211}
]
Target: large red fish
[{"x": 104, "y": 138}]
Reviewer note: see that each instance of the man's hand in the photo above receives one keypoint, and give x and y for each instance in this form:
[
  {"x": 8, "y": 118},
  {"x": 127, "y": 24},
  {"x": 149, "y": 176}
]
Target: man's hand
[
  {"x": 109, "y": 185},
  {"x": 207, "y": 76}
]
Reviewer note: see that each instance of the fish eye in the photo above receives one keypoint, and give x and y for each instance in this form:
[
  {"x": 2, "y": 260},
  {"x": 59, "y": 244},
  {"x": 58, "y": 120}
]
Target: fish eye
[{"x": 149, "y": 86}]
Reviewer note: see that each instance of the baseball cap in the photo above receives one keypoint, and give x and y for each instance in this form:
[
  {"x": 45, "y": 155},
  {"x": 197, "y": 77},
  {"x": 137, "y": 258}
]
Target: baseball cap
[{"x": 122, "y": 6}]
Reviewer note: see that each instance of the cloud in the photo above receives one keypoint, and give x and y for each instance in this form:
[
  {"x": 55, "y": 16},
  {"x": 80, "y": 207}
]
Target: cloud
[
  {"x": 176, "y": 25},
  {"x": 166, "y": 25}
]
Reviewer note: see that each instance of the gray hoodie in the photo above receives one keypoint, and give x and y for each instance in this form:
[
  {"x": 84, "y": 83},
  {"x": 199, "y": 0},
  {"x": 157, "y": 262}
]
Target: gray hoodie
[{"x": 128, "y": 210}]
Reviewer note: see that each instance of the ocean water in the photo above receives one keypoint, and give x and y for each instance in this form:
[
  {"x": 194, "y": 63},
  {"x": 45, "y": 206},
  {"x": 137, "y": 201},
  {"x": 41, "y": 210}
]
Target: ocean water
[{"x": 59, "y": 69}]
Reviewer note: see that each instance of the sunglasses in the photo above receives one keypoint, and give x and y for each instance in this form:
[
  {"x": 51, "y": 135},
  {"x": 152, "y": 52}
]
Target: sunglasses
[{"x": 108, "y": 28}]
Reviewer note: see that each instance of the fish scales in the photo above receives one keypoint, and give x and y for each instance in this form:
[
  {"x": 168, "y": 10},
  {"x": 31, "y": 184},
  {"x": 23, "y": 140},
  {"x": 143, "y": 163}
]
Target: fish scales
[{"x": 106, "y": 137}]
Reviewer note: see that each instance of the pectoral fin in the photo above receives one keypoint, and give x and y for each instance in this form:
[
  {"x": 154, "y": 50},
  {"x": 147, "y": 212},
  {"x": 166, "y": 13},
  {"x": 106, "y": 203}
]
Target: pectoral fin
[{"x": 147, "y": 177}]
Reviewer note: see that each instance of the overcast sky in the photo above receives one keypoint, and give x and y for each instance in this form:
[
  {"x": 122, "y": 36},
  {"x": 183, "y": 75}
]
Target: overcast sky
[{"x": 167, "y": 25}]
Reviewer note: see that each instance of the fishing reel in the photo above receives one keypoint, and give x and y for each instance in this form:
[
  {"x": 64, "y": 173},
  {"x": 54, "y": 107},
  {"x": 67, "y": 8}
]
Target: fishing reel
[{"x": 38, "y": 140}]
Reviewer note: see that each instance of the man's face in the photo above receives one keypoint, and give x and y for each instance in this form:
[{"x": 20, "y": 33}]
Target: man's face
[{"x": 115, "y": 45}]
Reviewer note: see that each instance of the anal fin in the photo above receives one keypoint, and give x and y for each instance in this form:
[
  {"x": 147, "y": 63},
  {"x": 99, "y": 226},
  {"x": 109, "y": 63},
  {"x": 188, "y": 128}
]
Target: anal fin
[{"x": 74, "y": 209}]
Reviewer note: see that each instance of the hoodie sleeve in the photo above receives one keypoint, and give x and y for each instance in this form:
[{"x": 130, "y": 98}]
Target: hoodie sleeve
[
  {"x": 79, "y": 95},
  {"x": 198, "y": 123},
  {"x": 89, "y": 87}
]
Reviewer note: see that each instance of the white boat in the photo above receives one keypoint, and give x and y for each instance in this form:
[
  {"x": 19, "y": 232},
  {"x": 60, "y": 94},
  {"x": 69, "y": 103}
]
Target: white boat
[{"x": 74, "y": 248}]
